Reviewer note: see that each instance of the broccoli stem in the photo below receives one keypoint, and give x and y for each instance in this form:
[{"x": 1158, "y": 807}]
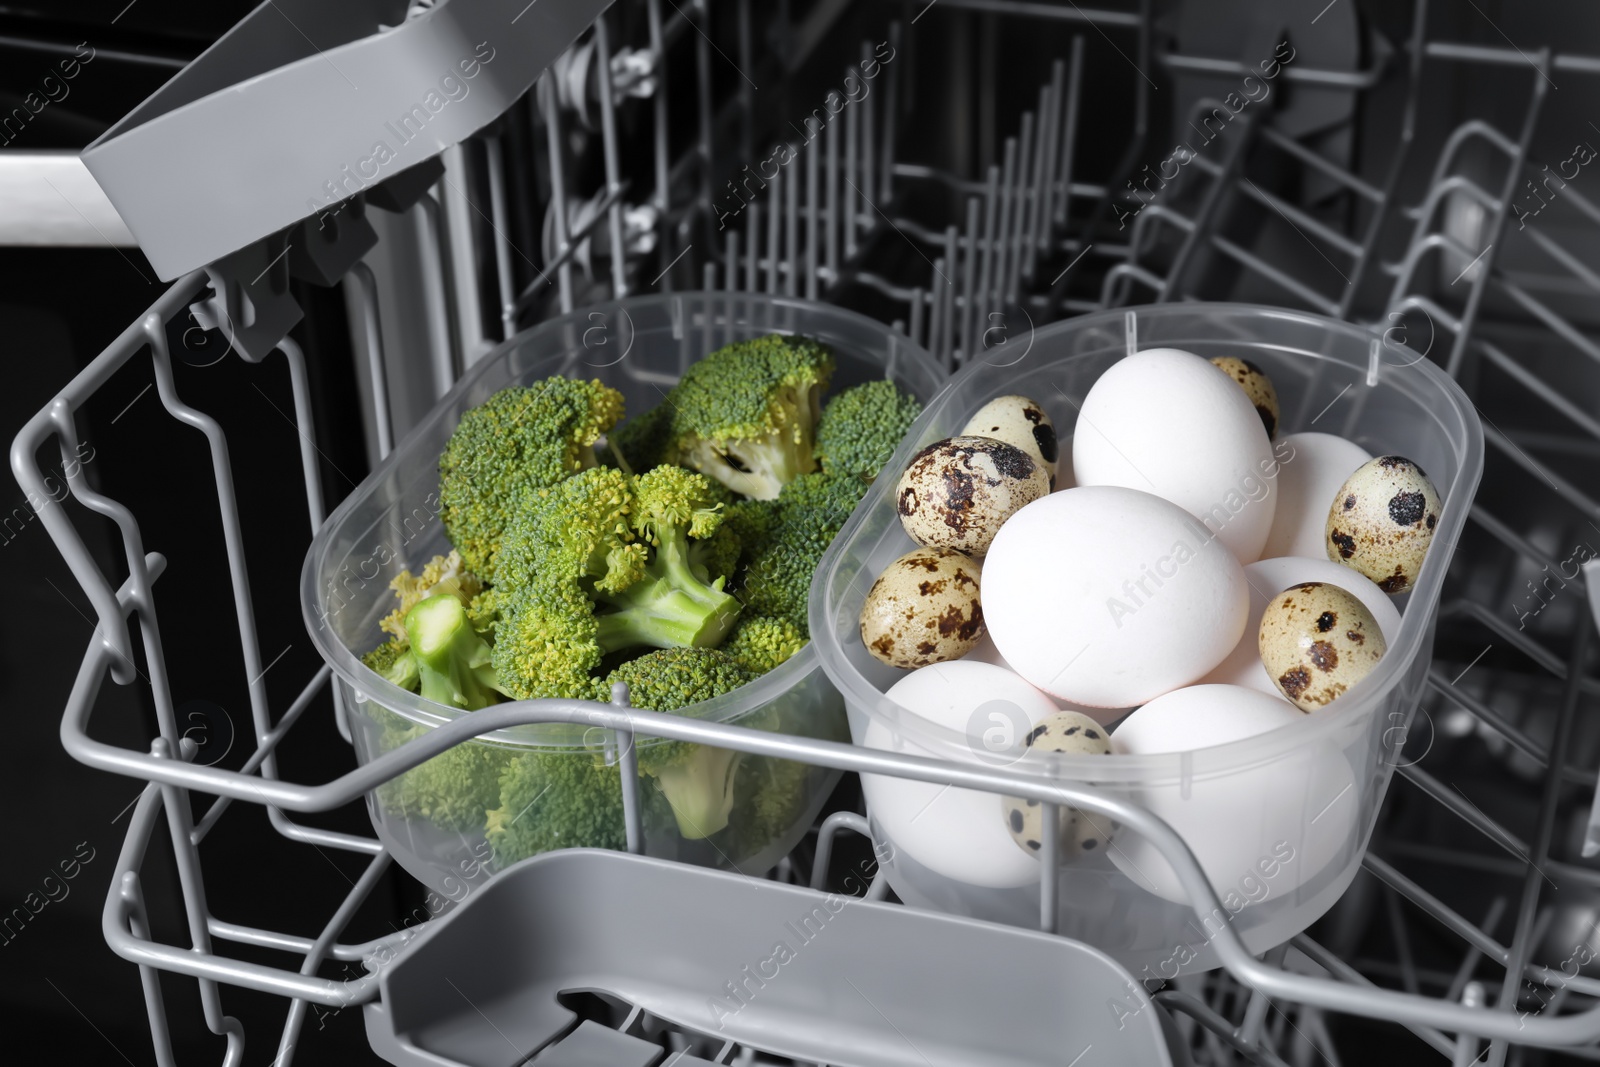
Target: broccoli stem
[
  {"x": 670, "y": 607},
  {"x": 700, "y": 790},
  {"x": 452, "y": 659}
]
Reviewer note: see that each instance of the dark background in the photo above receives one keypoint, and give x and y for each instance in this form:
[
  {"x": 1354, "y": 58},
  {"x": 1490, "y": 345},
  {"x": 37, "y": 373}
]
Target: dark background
[{"x": 65, "y": 994}]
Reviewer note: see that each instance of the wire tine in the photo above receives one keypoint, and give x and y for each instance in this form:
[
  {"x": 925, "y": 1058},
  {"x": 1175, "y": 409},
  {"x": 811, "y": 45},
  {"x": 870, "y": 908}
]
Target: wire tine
[
  {"x": 938, "y": 341},
  {"x": 1020, "y": 223},
  {"x": 891, "y": 104},
  {"x": 791, "y": 233},
  {"x": 969, "y": 274},
  {"x": 833, "y": 210},
  {"x": 869, "y": 141},
  {"x": 774, "y": 218},
  {"x": 1050, "y": 127},
  {"x": 991, "y": 204},
  {"x": 914, "y": 328},
  {"x": 813, "y": 235},
  {"x": 1069, "y": 136},
  {"x": 947, "y": 305},
  {"x": 1004, "y": 228},
  {"x": 613, "y": 163},
  {"x": 752, "y": 235},
  {"x": 852, "y": 166}
]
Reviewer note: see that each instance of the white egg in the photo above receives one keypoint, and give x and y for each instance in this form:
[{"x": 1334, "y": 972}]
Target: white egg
[
  {"x": 1109, "y": 597},
  {"x": 1170, "y": 423},
  {"x": 1268, "y": 578},
  {"x": 1260, "y": 831},
  {"x": 1311, "y": 468},
  {"x": 957, "y": 833}
]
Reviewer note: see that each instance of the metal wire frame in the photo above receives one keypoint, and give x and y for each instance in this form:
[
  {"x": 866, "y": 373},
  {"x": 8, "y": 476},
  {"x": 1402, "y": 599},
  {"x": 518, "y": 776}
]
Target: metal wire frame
[{"x": 1528, "y": 859}]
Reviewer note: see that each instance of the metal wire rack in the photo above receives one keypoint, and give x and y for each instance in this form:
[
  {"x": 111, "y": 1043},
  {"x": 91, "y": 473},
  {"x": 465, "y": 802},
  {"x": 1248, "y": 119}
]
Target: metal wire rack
[{"x": 1442, "y": 239}]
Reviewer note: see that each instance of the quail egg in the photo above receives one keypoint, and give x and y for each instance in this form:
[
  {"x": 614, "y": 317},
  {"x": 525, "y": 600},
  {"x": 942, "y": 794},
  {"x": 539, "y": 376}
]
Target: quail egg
[
  {"x": 1016, "y": 420},
  {"x": 1316, "y": 641},
  {"x": 1256, "y": 385},
  {"x": 957, "y": 493},
  {"x": 1382, "y": 522},
  {"x": 1080, "y": 833},
  {"x": 923, "y": 609}
]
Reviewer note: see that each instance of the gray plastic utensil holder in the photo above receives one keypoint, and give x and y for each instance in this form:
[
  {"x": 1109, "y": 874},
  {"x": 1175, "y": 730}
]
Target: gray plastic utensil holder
[
  {"x": 306, "y": 103},
  {"x": 821, "y": 978}
]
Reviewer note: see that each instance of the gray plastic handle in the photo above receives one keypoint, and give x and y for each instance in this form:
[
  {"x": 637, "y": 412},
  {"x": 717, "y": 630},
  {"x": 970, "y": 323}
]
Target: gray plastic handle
[{"x": 306, "y": 103}]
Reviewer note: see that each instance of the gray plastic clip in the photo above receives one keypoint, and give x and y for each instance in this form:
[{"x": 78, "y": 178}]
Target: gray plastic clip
[{"x": 250, "y": 302}]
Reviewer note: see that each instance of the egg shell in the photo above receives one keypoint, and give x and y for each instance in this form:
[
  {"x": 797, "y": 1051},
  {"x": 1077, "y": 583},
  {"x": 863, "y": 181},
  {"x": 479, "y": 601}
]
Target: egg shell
[
  {"x": 955, "y": 832},
  {"x": 1311, "y": 468},
  {"x": 1316, "y": 641},
  {"x": 924, "y": 608},
  {"x": 1016, "y": 420},
  {"x": 1109, "y": 597},
  {"x": 1079, "y": 833},
  {"x": 1166, "y": 422},
  {"x": 1258, "y": 388},
  {"x": 958, "y": 492},
  {"x": 1268, "y": 578},
  {"x": 1381, "y": 522},
  {"x": 1259, "y": 831}
]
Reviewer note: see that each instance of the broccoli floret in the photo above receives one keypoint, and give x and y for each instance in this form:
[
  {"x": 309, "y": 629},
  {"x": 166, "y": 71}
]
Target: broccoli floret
[
  {"x": 521, "y": 439},
  {"x": 454, "y": 790},
  {"x": 393, "y": 661},
  {"x": 452, "y": 659},
  {"x": 599, "y": 564},
  {"x": 746, "y": 414},
  {"x": 761, "y": 643},
  {"x": 483, "y": 612},
  {"x": 697, "y": 780},
  {"x": 861, "y": 427},
  {"x": 809, "y": 512},
  {"x": 643, "y": 440},
  {"x": 672, "y": 605},
  {"x": 770, "y": 795},
  {"x": 443, "y": 574},
  {"x": 556, "y": 798}
]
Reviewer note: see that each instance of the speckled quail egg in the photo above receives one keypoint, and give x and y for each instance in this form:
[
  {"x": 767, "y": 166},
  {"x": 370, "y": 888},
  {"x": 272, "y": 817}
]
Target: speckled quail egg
[
  {"x": 957, "y": 493},
  {"x": 1316, "y": 641},
  {"x": 1080, "y": 833},
  {"x": 923, "y": 609},
  {"x": 1382, "y": 522},
  {"x": 1016, "y": 420},
  {"x": 1256, "y": 385}
]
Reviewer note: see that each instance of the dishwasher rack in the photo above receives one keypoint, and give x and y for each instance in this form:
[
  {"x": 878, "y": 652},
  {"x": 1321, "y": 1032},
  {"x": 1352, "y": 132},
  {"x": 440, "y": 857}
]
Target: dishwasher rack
[{"x": 1440, "y": 250}]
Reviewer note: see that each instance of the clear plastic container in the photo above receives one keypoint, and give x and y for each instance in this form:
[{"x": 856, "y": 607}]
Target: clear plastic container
[
  {"x": 1292, "y": 809},
  {"x": 391, "y": 522}
]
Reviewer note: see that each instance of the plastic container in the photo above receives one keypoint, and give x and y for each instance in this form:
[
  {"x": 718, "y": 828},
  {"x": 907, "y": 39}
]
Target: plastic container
[
  {"x": 1292, "y": 809},
  {"x": 639, "y": 346}
]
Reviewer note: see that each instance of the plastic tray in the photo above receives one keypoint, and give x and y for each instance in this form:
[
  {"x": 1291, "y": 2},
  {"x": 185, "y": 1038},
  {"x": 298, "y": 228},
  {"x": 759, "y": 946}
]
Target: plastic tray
[
  {"x": 820, "y": 978},
  {"x": 1330, "y": 376},
  {"x": 639, "y": 346}
]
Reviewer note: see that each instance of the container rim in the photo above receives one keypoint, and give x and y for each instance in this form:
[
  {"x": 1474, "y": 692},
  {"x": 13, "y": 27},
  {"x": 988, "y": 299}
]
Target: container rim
[
  {"x": 1438, "y": 395},
  {"x": 729, "y": 706}
]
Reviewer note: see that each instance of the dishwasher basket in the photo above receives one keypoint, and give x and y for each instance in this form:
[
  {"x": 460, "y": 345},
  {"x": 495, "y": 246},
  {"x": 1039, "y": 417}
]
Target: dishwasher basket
[{"x": 968, "y": 171}]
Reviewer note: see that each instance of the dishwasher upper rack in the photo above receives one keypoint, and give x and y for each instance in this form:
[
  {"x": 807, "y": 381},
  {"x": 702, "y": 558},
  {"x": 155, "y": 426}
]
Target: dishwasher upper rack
[{"x": 1569, "y": 671}]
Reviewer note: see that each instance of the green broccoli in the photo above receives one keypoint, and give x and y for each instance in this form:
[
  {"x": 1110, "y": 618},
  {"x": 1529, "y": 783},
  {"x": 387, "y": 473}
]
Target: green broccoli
[
  {"x": 522, "y": 438},
  {"x": 678, "y": 602},
  {"x": 452, "y": 659},
  {"x": 770, "y": 795},
  {"x": 745, "y": 415},
  {"x": 861, "y": 427},
  {"x": 799, "y": 529},
  {"x": 697, "y": 780},
  {"x": 641, "y": 443},
  {"x": 454, "y": 790},
  {"x": 761, "y": 643},
  {"x": 598, "y": 564},
  {"x": 556, "y": 798},
  {"x": 443, "y": 574},
  {"x": 394, "y": 662}
]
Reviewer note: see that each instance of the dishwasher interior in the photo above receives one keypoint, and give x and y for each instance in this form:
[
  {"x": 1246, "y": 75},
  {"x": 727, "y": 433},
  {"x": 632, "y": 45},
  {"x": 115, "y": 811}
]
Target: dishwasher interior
[{"x": 969, "y": 170}]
